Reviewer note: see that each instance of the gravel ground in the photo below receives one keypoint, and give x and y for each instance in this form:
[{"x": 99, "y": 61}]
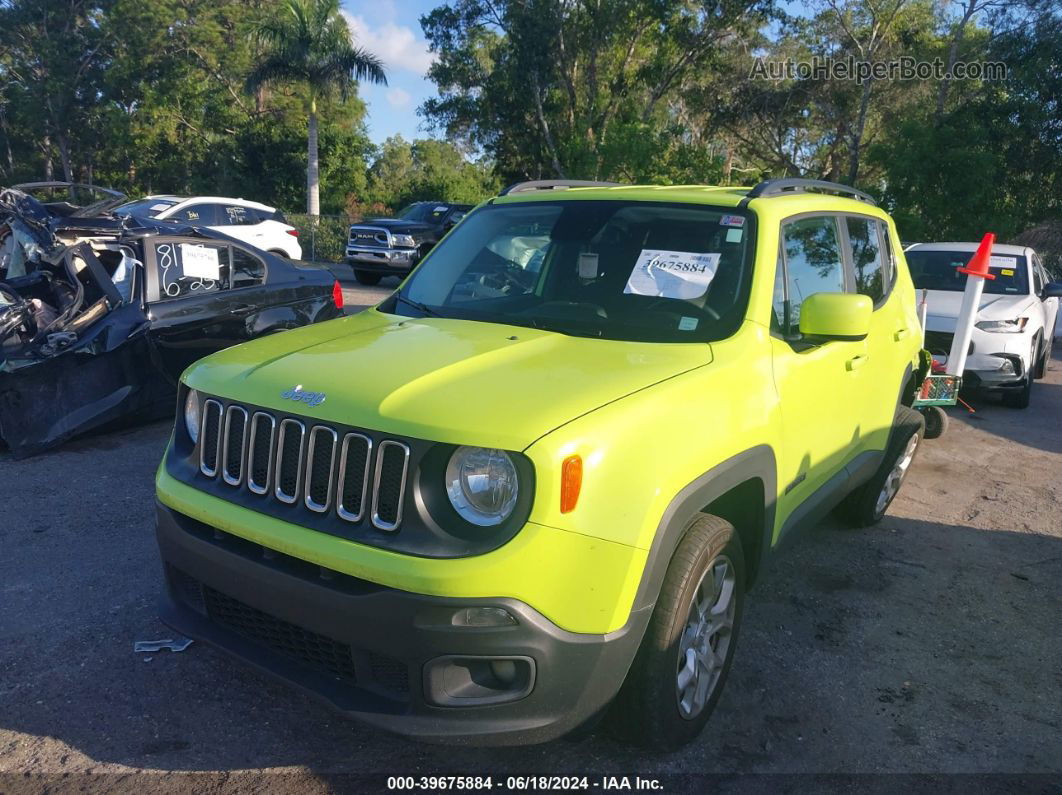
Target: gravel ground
[{"x": 929, "y": 644}]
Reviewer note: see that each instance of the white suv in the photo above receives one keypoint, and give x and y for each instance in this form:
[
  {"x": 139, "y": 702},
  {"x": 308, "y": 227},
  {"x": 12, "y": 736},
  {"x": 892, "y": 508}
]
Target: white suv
[
  {"x": 258, "y": 224},
  {"x": 1013, "y": 331}
]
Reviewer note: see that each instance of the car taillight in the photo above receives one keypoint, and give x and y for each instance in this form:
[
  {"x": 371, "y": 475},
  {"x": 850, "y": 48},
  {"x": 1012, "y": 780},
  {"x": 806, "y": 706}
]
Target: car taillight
[
  {"x": 292, "y": 232},
  {"x": 337, "y": 295}
]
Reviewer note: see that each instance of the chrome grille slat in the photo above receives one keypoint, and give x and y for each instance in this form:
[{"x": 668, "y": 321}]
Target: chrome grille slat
[
  {"x": 257, "y": 459},
  {"x": 235, "y": 435},
  {"x": 349, "y": 468},
  {"x": 285, "y": 476},
  {"x": 210, "y": 438},
  {"x": 319, "y": 435},
  {"x": 390, "y": 480},
  {"x": 349, "y": 476}
]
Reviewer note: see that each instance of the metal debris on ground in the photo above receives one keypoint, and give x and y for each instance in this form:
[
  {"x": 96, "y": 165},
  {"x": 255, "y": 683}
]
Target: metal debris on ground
[{"x": 179, "y": 644}]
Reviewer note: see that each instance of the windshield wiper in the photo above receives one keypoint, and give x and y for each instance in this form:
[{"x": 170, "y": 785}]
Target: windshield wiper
[{"x": 427, "y": 310}]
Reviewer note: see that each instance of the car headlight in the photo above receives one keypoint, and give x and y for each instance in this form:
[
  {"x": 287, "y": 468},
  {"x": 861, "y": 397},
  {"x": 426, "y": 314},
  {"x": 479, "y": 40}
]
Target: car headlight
[
  {"x": 482, "y": 485},
  {"x": 406, "y": 241},
  {"x": 191, "y": 415},
  {"x": 1003, "y": 326}
]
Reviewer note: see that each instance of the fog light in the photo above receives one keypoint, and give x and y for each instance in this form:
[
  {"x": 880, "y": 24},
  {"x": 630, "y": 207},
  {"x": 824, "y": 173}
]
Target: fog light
[
  {"x": 460, "y": 681},
  {"x": 483, "y": 617},
  {"x": 1008, "y": 367}
]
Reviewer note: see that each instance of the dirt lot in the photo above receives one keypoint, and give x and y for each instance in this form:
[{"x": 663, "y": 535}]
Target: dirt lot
[{"x": 928, "y": 644}]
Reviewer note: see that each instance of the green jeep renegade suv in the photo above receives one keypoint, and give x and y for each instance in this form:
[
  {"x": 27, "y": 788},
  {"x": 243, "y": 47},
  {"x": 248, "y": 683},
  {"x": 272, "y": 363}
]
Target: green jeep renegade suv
[{"x": 537, "y": 481}]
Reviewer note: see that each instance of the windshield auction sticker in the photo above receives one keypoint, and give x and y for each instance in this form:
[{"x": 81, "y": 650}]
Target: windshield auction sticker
[{"x": 672, "y": 274}]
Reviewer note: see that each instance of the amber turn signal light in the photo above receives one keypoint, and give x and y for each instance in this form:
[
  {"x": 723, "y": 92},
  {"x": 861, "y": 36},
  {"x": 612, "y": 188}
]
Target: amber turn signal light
[{"x": 571, "y": 482}]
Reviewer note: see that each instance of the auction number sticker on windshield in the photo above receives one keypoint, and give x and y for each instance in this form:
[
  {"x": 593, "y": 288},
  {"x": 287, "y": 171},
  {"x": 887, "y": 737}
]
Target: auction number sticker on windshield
[
  {"x": 997, "y": 261},
  {"x": 200, "y": 262},
  {"x": 672, "y": 274}
]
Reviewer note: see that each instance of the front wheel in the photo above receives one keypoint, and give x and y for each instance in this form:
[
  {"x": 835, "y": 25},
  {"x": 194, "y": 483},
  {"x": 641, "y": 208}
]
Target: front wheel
[
  {"x": 367, "y": 278},
  {"x": 867, "y": 504},
  {"x": 678, "y": 674}
]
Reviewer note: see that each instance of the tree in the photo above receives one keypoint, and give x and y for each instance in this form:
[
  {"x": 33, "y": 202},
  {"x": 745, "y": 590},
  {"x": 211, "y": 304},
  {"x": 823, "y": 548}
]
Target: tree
[
  {"x": 309, "y": 44},
  {"x": 588, "y": 88},
  {"x": 405, "y": 172}
]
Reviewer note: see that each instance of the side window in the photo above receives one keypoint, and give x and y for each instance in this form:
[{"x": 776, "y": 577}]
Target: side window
[
  {"x": 868, "y": 262},
  {"x": 247, "y": 269},
  {"x": 813, "y": 264},
  {"x": 186, "y": 268},
  {"x": 197, "y": 214},
  {"x": 237, "y": 215}
]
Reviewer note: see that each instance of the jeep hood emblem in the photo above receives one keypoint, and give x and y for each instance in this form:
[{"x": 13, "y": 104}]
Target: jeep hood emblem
[{"x": 309, "y": 398}]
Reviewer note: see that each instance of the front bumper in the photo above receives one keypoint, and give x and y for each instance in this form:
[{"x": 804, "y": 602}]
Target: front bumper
[
  {"x": 382, "y": 260},
  {"x": 382, "y": 655}
]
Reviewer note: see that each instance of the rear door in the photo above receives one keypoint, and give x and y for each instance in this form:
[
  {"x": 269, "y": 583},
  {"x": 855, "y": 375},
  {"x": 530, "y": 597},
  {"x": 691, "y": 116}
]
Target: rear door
[
  {"x": 189, "y": 305},
  {"x": 820, "y": 385},
  {"x": 889, "y": 343}
]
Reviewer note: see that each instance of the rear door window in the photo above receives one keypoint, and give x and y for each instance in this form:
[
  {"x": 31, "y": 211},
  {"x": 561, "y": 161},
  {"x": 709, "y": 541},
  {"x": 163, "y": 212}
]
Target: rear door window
[
  {"x": 868, "y": 260},
  {"x": 238, "y": 215},
  {"x": 185, "y": 267}
]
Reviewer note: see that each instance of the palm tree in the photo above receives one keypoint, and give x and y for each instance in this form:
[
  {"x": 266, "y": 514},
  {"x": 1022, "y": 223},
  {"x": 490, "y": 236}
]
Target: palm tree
[{"x": 308, "y": 42}]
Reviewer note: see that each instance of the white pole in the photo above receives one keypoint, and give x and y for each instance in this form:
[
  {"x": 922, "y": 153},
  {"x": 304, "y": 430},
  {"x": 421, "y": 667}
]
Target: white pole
[
  {"x": 923, "y": 311},
  {"x": 976, "y": 272},
  {"x": 960, "y": 344}
]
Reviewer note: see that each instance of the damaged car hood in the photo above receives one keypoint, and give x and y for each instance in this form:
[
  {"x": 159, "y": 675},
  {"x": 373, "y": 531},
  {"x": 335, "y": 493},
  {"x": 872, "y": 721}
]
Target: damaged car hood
[{"x": 442, "y": 379}]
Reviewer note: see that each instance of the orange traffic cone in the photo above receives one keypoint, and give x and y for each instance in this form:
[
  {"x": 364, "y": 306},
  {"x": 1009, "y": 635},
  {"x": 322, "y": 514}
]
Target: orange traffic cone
[{"x": 978, "y": 264}]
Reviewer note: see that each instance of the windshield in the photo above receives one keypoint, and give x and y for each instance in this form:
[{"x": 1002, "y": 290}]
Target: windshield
[
  {"x": 149, "y": 208},
  {"x": 425, "y": 212},
  {"x": 936, "y": 270},
  {"x": 620, "y": 270}
]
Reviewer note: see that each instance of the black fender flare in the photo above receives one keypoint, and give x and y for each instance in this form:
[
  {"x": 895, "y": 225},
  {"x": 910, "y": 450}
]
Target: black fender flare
[{"x": 756, "y": 463}]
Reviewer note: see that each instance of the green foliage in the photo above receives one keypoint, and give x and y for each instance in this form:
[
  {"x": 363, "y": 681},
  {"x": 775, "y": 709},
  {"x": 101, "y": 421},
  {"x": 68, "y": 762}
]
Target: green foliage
[
  {"x": 323, "y": 237},
  {"x": 424, "y": 170}
]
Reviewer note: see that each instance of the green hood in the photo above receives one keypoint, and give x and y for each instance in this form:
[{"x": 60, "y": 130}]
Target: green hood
[{"x": 447, "y": 380}]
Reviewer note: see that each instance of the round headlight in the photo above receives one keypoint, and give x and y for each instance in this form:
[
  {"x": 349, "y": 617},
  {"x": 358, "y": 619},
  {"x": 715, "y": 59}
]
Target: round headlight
[
  {"x": 482, "y": 485},
  {"x": 191, "y": 415}
]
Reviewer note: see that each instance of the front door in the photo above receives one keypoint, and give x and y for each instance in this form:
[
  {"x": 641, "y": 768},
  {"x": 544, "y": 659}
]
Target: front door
[{"x": 820, "y": 385}]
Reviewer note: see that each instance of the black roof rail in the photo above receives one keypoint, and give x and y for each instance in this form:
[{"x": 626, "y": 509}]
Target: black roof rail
[
  {"x": 555, "y": 184},
  {"x": 777, "y": 187}
]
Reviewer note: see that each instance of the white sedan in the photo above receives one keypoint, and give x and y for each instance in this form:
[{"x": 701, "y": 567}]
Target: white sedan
[
  {"x": 1013, "y": 330},
  {"x": 258, "y": 224}
]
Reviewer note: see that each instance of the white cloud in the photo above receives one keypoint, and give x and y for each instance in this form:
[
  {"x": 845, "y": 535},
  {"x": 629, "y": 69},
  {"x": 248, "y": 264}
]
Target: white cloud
[
  {"x": 396, "y": 45},
  {"x": 397, "y": 98}
]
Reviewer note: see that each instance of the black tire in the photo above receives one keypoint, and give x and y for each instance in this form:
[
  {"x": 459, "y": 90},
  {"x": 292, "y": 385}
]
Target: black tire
[
  {"x": 936, "y": 420},
  {"x": 367, "y": 278},
  {"x": 647, "y": 710},
  {"x": 863, "y": 507},
  {"x": 1019, "y": 398},
  {"x": 279, "y": 253}
]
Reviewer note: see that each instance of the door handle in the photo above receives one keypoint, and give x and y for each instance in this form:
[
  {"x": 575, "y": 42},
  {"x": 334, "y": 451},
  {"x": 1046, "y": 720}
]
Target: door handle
[
  {"x": 242, "y": 309},
  {"x": 902, "y": 334},
  {"x": 856, "y": 362}
]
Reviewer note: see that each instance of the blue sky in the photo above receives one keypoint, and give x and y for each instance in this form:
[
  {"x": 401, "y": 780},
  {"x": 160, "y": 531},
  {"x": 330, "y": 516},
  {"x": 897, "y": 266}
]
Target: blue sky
[{"x": 391, "y": 30}]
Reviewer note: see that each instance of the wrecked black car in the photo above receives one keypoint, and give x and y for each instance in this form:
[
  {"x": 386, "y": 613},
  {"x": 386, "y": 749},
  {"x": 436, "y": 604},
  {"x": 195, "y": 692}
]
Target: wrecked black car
[{"x": 100, "y": 315}]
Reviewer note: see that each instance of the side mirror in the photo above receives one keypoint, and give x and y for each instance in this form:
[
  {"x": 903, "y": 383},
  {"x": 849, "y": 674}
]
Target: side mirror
[
  {"x": 1052, "y": 290},
  {"x": 836, "y": 316}
]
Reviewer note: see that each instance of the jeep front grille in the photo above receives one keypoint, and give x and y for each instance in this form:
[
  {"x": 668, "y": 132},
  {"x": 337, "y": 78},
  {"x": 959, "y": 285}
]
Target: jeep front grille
[{"x": 305, "y": 463}]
